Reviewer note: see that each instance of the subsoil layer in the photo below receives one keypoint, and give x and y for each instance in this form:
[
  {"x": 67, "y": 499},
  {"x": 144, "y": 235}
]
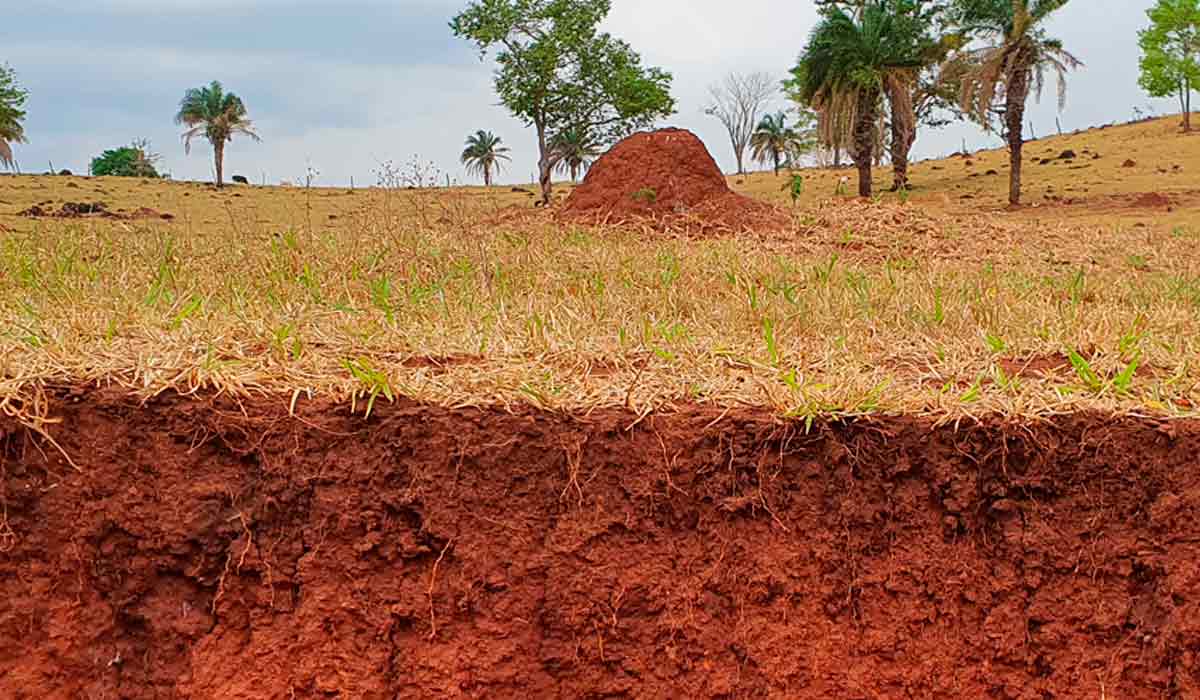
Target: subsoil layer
[{"x": 209, "y": 549}]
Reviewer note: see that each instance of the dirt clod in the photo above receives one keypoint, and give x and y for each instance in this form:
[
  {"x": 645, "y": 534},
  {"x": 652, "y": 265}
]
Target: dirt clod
[{"x": 83, "y": 210}]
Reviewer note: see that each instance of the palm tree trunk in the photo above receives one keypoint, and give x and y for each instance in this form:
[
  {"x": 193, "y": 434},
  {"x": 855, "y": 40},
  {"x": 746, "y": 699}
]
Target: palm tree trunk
[
  {"x": 574, "y": 172},
  {"x": 1014, "y": 117},
  {"x": 487, "y": 175},
  {"x": 864, "y": 139},
  {"x": 775, "y": 156},
  {"x": 903, "y": 132},
  {"x": 219, "y": 157},
  {"x": 899, "y": 161}
]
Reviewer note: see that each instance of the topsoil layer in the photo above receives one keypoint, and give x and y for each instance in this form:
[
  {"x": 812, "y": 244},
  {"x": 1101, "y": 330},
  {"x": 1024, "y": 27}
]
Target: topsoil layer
[
  {"x": 211, "y": 550},
  {"x": 669, "y": 179}
]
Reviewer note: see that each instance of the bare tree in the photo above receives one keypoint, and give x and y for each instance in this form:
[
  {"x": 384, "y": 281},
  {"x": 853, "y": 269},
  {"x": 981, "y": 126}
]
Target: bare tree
[{"x": 737, "y": 101}]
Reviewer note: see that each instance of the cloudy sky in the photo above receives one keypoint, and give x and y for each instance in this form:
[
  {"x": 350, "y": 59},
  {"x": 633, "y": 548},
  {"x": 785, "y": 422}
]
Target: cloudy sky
[{"x": 344, "y": 86}]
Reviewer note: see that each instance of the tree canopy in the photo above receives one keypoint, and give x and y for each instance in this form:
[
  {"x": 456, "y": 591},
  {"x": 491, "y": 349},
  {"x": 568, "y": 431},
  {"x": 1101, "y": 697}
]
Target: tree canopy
[
  {"x": 484, "y": 155},
  {"x": 736, "y": 102},
  {"x": 557, "y": 71},
  {"x": 1014, "y": 60},
  {"x": 134, "y": 160},
  {"x": 851, "y": 59},
  {"x": 12, "y": 114},
  {"x": 1170, "y": 61},
  {"x": 216, "y": 115}
]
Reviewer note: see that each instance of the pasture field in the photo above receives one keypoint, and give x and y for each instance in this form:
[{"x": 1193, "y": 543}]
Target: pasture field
[{"x": 940, "y": 304}]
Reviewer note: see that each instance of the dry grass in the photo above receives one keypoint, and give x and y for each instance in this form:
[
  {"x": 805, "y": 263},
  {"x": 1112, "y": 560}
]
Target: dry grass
[{"x": 460, "y": 298}]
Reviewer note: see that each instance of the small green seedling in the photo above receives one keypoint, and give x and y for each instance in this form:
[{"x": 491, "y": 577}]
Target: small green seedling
[
  {"x": 795, "y": 187},
  {"x": 373, "y": 383},
  {"x": 1083, "y": 370}
]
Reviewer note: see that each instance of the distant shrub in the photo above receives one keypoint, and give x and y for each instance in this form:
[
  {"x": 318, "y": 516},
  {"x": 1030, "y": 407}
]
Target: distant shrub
[{"x": 134, "y": 160}]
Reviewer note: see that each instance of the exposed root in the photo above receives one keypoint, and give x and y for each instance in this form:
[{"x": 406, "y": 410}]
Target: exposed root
[{"x": 432, "y": 586}]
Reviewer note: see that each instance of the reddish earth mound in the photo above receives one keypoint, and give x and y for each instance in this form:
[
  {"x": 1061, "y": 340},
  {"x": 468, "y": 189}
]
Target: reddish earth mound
[
  {"x": 667, "y": 177},
  {"x": 228, "y": 551},
  {"x": 1152, "y": 200},
  {"x": 83, "y": 210}
]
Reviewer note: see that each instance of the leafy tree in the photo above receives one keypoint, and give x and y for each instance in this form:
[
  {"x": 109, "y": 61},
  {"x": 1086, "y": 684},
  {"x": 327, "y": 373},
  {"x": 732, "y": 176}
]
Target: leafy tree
[
  {"x": 558, "y": 72},
  {"x": 844, "y": 70},
  {"x": 12, "y": 114},
  {"x": 774, "y": 140},
  {"x": 1170, "y": 62},
  {"x": 915, "y": 90},
  {"x": 134, "y": 160},
  {"x": 218, "y": 116},
  {"x": 830, "y": 135},
  {"x": 1015, "y": 59},
  {"x": 575, "y": 149},
  {"x": 736, "y": 102},
  {"x": 484, "y": 154},
  {"x": 924, "y": 94}
]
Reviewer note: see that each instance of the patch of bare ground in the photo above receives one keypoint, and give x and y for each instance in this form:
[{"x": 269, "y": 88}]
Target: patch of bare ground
[{"x": 216, "y": 549}]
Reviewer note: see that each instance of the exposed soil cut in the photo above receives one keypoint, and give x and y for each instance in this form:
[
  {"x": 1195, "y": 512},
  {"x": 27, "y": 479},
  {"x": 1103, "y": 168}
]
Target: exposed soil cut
[
  {"x": 217, "y": 550},
  {"x": 81, "y": 210},
  {"x": 669, "y": 178}
]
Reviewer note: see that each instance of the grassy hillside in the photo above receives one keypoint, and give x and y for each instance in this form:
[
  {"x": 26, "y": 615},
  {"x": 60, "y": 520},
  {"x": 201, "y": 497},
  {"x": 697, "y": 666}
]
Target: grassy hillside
[{"x": 943, "y": 304}]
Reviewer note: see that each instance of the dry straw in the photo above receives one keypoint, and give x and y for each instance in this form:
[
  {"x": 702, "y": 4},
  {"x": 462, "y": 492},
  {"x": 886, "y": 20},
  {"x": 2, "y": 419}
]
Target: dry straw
[{"x": 449, "y": 299}]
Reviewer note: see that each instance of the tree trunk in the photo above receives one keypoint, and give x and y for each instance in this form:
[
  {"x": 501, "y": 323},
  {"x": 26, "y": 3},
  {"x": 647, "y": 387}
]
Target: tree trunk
[
  {"x": 903, "y": 134},
  {"x": 1187, "y": 105},
  {"x": 219, "y": 157},
  {"x": 1018, "y": 91},
  {"x": 775, "y": 156},
  {"x": 545, "y": 167},
  {"x": 487, "y": 175},
  {"x": 574, "y": 173},
  {"x": 864, "y": 140},
  {"x": 899, "y": 162},
  {"x": 739, "y": 153}
]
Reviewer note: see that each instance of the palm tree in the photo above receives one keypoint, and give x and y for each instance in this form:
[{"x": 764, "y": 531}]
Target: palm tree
[
  {"x": 484, "y": 154},
  {"x": 773, "y": 140},
  {"x": 12, "y": 114},
  {"x": 575, "y": 149},
  {"x": 1016, "y": 59},
  {"x": 217, "y": 115},
  {"x": 845, "y": 68}
]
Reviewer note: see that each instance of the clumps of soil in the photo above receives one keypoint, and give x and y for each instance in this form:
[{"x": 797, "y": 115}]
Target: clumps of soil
[
  {"x": 86, "y": 210},
  {"x": 1152, "y": 200},
  {"x": 1130, "y": 163},
  {"x": 669, "y": 179}
]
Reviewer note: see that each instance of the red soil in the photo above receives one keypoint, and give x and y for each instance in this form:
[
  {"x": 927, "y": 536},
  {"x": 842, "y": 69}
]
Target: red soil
[
  {"x": 206, "y": 553},
  {"x": 84, "y": 210},
  {"x": 668, "y": 178}
]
